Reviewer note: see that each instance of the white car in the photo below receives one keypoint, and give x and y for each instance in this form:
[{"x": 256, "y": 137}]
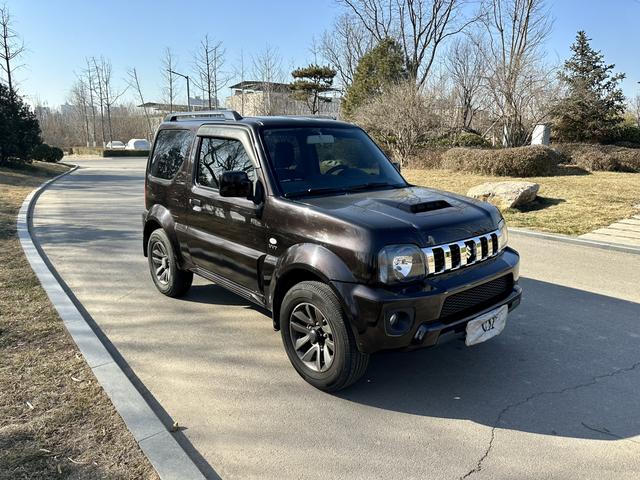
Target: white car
[
  {"x": 115, "y": 145},
  {"x": 138, "y": 144}
]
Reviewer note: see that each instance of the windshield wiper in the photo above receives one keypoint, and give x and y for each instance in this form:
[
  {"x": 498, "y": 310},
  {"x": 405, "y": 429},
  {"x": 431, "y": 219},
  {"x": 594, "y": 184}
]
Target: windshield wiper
[
  {"x": 315, "y": 191},
  {"x": 366, "y": 186}
]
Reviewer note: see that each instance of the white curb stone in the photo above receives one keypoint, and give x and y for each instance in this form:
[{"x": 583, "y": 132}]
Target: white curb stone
[{"x": 163, "y": 451}]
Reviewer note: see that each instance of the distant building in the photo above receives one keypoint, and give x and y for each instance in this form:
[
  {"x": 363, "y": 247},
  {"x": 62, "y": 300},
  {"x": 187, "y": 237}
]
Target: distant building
[
  {"x": 196, "y": 102},
  {"x": 254, "y": 98},
  {"x": 67, "y": 109}
]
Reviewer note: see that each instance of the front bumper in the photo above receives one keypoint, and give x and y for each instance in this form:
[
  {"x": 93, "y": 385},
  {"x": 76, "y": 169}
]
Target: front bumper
[{"x": 369, "y": 307}]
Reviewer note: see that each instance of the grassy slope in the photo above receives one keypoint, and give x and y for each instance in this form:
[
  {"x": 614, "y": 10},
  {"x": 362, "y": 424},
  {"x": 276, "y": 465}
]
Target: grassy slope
[
  {"x": 55, "y": 420},
  {"x": 569, "y": 203}
]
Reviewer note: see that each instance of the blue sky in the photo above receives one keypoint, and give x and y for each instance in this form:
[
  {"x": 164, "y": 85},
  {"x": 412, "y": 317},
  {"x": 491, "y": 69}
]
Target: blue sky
[{"x": 60, "y": 34}]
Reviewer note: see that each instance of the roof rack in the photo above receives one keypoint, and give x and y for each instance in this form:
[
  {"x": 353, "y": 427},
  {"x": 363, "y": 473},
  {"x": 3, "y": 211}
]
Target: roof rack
[
  {"x": 219, "y": 114},
  {"x": 320, "y": 117}
]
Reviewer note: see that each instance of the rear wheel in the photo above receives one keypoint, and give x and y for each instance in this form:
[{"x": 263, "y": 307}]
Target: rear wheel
[
  {"x": 317, "y": 339},
  {"x": 166, "y": 275}
]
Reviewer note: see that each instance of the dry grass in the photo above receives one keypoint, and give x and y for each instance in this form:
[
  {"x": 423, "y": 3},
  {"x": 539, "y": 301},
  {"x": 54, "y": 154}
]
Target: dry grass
[
  {"x": 572, "y": 202},
  {"x": 55, "y": 420}
]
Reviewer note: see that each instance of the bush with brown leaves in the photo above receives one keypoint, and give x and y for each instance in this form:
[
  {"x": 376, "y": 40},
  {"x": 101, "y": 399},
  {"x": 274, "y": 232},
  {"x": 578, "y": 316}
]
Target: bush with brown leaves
[{"x": 530, "y": 161}]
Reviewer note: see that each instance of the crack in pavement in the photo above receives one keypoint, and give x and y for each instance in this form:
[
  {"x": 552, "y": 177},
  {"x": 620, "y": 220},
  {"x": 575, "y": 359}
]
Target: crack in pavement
[
  {"x": 533, "y": 396},
  {"x": 606, "y": 431}
]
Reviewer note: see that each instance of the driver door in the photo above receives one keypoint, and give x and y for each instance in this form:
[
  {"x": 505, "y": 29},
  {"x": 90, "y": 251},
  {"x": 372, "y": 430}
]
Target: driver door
[{"x": 226, "y": 235}]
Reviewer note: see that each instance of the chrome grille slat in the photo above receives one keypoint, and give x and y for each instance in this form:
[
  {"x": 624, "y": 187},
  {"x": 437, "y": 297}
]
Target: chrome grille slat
[
  {"x": 463, "y": 253},
  {"x": 471, "y": 252},
  {"x": 478, "y": 243},
  {"x": 447, "y": 257},
  {"x": 431, "y": 260},
  {"x": 489, "y": 245}
]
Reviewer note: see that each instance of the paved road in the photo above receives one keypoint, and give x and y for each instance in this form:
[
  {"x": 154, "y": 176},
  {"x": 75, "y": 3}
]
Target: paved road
[{"x": 554, "y": 396}]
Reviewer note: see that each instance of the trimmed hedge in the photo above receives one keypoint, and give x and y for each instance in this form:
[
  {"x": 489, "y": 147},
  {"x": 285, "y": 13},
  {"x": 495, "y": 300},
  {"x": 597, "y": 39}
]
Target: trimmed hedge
[
  {"x": 125, "y": 153},
  {"x": 608, "y": 158},
  {"x": 530, "y": 161},
  {"x": 45, "y": 153}
]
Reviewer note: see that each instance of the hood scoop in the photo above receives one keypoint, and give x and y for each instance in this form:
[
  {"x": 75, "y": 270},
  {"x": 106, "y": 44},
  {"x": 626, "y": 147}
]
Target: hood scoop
[
  {"x": 428, "y": 206},
  {"x": 421, "y": 207}
]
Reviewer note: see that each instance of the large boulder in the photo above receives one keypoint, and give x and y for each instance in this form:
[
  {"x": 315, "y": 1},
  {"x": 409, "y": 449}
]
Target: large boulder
[{"x": 505, "y": 194}]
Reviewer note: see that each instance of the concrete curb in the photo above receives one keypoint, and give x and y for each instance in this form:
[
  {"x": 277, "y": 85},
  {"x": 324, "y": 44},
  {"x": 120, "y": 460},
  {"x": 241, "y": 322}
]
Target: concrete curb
[
  {"x": 163, "y": 451},
  {"x": 575, "y": 240}
]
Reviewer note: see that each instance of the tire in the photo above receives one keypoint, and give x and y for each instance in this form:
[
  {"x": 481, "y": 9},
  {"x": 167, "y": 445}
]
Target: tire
[
  {"x": 168, "y": 278},
  {"x": 326, "y": 325}
]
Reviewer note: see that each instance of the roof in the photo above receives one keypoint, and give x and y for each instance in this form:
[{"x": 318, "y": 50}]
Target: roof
[
  {"x": 229, "y": 117},
  {"x": 259, "y": 85}
]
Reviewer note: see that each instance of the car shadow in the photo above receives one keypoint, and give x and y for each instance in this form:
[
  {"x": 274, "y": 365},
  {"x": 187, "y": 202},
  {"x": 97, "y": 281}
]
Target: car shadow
[
  {"x": 568, "y": 364},
  {"x": 213, "y": 294}
]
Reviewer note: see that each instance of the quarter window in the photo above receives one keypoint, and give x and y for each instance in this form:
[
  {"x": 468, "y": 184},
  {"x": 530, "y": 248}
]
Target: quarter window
[
  {"x": 171, "y": 148},
  {"x": 219, "y": 155}
]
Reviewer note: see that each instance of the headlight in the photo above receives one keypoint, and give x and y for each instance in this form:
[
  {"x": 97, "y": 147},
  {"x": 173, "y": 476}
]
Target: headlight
[
  {"x": 400, "y": 263},
  {"x": 503, "y": 235}
]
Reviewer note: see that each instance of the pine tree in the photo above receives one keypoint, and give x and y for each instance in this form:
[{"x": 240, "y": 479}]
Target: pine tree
[
  {"x": 381, "y": 66},
  {"x": 19, "y": 128},
  {"x": 594, "y": 104},
  {"x": 310, "y": 83}
]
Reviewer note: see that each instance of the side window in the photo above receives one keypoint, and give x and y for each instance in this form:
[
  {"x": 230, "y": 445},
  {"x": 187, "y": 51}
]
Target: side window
[
  {"x": 171, "y": 148},
  {"x": 219, "y": 155}
]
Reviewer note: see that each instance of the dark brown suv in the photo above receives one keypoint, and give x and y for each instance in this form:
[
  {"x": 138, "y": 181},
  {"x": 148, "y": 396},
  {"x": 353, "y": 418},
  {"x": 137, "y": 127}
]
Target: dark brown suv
[{"x": 309, "y": 219}]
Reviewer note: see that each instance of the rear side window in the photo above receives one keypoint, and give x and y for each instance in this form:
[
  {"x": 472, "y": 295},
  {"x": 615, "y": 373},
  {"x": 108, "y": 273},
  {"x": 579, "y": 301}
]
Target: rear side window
[
  {"x": 219, "y": 155},
  {"x": 172, "y": 146}
]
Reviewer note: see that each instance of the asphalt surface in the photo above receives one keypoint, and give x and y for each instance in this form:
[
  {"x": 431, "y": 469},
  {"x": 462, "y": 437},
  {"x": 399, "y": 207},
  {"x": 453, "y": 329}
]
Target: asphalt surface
[{"x": 554, "y": 396}]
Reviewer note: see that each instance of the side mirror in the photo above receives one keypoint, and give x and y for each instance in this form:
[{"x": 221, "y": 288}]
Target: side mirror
[
  {"x": 396, "y": 165},
  {"x": 235, "y": 184}
]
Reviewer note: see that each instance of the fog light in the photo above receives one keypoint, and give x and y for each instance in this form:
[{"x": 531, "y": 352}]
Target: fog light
[{"x": 398, "y": 322}]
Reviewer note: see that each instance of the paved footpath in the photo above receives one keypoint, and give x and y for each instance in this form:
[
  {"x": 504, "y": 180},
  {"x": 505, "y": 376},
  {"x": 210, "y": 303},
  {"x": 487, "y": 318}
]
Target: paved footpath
[
  {"x": 554, "y": 396},
  {"x": 623, "y": 232}
]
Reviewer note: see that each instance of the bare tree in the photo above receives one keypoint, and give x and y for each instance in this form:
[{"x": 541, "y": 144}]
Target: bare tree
[
  {"x": 99, "y": 91},
  {"x": 209, "y": 62},
  {"x": 465, "y": 64},
  {"x": 168, "y": 87},
  {"x": 109, "y": 94},
  {"x": 135, "y": 83},
  {"x": 11, "y": 47},
  {"x": 400, "y": 118},
  {"x": 420, "y": 26},
  {"x": 79, "y": 99},
  {"x": 63, "y": 127},
  {"x": 344, "y": 45},
  {"x": 515, "y": 31},
  {"x": 89, "y": 75},
  {"x": 267, "y": 69},
  {"x": 635, "y": 108}
]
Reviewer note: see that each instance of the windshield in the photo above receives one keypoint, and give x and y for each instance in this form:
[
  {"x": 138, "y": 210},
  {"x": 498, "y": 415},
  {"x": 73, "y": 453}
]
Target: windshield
[{"x": 313, "y": 161}]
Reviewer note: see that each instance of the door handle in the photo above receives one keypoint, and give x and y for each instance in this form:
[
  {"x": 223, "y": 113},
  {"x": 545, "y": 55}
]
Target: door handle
[{"x": 196, "y": 204}]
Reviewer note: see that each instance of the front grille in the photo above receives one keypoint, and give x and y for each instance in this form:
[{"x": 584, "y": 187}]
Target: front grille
[
  {"x": 477, "y": 298},
  {"x": 451, "y": 256}
]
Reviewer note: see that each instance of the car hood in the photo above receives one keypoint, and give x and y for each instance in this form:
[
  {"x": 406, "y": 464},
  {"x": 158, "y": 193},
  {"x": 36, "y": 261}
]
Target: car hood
[{"x": 411, "y": 215}]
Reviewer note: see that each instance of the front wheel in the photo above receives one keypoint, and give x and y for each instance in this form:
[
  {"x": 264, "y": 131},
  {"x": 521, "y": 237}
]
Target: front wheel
[
  {"x": 166, "y": 275},
  {"x": 317, "y": 339}
]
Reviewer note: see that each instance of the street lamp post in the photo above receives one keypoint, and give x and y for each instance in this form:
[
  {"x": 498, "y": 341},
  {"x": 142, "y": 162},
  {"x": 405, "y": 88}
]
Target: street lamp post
[{"x": 186, "y": 77}]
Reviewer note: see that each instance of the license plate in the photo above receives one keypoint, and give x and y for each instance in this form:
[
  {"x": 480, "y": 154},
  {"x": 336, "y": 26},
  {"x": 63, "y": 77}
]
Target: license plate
[{"x": 486, "y": 326}]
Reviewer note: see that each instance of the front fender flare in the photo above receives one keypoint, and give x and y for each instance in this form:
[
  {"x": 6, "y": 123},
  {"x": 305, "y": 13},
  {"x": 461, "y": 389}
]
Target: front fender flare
[{"x": 300, "y": 262}]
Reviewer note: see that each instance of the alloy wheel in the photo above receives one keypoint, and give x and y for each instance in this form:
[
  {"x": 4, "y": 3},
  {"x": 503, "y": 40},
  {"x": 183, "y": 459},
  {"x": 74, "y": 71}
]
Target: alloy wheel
[
  {"x": 160, "y": 260},
  {"x": 312, "y": 337}
]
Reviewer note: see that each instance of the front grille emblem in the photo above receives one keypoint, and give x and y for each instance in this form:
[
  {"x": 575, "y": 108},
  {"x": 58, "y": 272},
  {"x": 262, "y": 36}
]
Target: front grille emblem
[{"x": 468, "y": 253}]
